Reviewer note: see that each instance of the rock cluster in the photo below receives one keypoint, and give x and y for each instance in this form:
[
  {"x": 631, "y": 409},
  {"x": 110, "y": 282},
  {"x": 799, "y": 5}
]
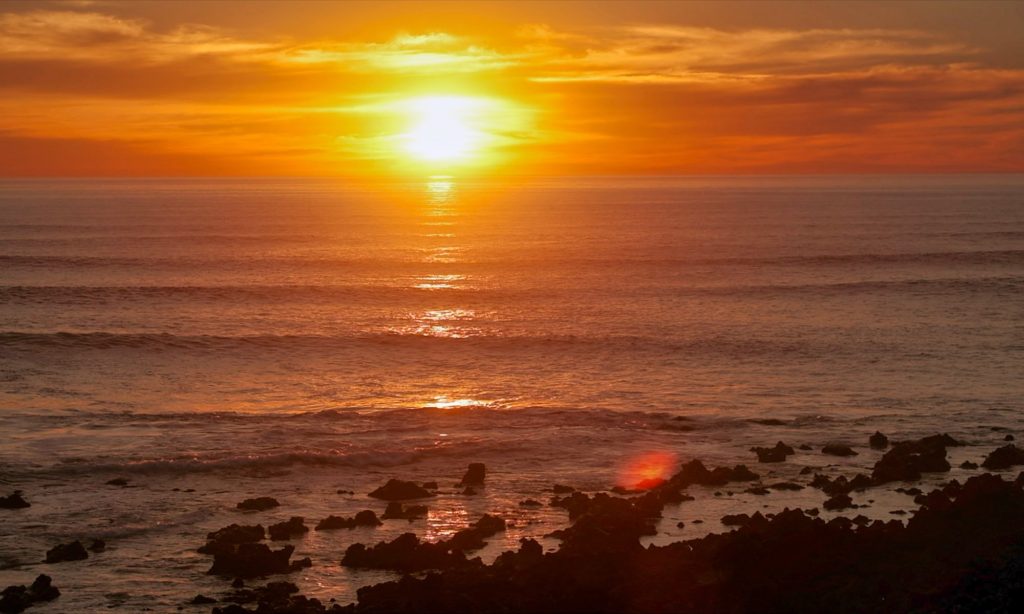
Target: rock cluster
[
  {"x": 365, "y": 518},
  {"x": 15, "y": 599},
  {"x": 775, "y": 454}
]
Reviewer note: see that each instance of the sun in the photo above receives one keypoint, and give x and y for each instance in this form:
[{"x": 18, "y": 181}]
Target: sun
[{"x": 444, "y": 128}]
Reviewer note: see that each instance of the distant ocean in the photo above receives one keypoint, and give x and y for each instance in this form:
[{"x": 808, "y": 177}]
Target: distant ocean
[{"x": 299, "y": 337}]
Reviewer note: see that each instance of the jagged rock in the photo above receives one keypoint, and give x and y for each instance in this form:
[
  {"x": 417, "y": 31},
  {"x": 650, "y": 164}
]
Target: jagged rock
[
  {"x": 73, "y": 551},
  {"x": 1004, "y": 457},
  {"x": 735, "y": 520},
  {"x": 294, "y": 527},
  {"x": 399, "y": 490},
  {"x": 878, "y": 441},
  {"x": 397, "y": 510},
  {"x": 841, "y": 485},
  {"x": 14, "y": 501},
  {"x": 405, "y": 553},
  {"x": 474, "y": 475},
  {"x": 838, "y": 502},
  {"x": 775, "y": 454},
  {"x": 365, "y": 518},
  {"x": 17, "y": 598},
  {"x": 258, "y": 504},
  {"x": 906, "y": 461},
  {"x": 226, "y": 538},
  {"x": 249, "y": 560},
  {"x": 838, "y": 449}
]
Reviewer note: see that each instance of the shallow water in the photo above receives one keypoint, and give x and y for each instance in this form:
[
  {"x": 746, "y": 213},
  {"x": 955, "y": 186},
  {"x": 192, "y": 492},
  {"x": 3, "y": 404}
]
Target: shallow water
[{"x": 293, "y": 338}]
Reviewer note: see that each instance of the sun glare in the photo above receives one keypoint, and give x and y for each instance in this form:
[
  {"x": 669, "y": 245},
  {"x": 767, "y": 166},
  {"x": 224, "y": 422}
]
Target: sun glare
[{"x": 444, "y": 128}]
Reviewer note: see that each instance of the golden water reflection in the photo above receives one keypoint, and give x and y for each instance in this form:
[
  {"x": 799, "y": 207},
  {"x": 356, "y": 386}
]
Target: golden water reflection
[{"x": 439, "y": 282}]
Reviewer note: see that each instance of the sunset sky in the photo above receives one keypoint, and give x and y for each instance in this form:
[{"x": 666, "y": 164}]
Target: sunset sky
[{"x": 370, "y": 89}]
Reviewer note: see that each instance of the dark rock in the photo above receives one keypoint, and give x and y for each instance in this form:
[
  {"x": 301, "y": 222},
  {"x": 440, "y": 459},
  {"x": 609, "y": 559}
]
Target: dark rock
[
  {"x": 469, "y": 492},
  {"x": 735, "y": 520},
  {"x": 98, "y": 545},
  {"x": 258, "y": 504},
  {"x": 561, "y": 489},
  {"x": 202, "y": 600},
  {"x": 430, "y": 485},
  {"x": 399, "y": 490},
  {"x": 237, "y": 583},
  {"x": 776, "y": 454},
  {"x": 757, "y": 490},
  {"x": 807, "y": 470},
  {"x": 474, "y": 475},
  {"x": 342, "y": 491},
  {"x": 365, "y": 518},
  {"x": 767, "y": 421},
  {"x": 396, "y": 510},
  {"x": 405, "y": 554},
  {"x": 804, "y": 447},
  {"x": 968, "y": 465},
  {"x": 838, "y": 502},
  {"x": 698, "y": 521},
  {"x": 1008, "y": 438},
  {"x": 73, "y": 551},
  {"x": 248, "y": 560},
  {"x": 878, "y": 441},
  {"x": 785, "y": 486},
  {"x": 117, "y": 482},
  {"x": 906, "y": 461},
  {"x": 680, "y": 524},
  {"x": 226, "y": 538},
  {"x": 294, "y": 527},
  {"x": 1004, "y": 457},
  {"x": 18, "y": 598},
  {"x": 838, "y": 449},
  {"x": 14, "y": 501},
  {"x": 530, "y": 503}
]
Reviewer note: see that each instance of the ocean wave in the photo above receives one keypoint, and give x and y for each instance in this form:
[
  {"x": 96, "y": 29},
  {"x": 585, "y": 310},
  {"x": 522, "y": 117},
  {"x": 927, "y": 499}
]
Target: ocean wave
[
  {"x": 88, "y": 295},
  {"x": 1007, "y": 256},
  {"x": 740, "y": 347}
]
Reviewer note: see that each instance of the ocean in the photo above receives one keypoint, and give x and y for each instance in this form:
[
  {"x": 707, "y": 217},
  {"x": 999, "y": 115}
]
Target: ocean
[{"x": 211, "y": 340}]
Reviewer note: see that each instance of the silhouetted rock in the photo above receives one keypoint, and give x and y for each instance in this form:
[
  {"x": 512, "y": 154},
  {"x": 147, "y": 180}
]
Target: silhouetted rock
[
  {"x": 97, "y": 545},
  {"x": 365, "y": 518},
  {"x": 469, "y": 491},
  {"x": 17, "y": 598},
  {"x": 878, "y": 441},
  {"x": 838, "y": 449},
  {"x": 530, "y": 503},
  {"x": 14, "y": 501},
  {"x": 785, "y": 486},
  {"x": 906, "y": 461},
  {"x": 757, "y": 490},
  {"x": 249, "y": 560},
  {"x": 562, "y": 489},
  {"x": 406, "y": 553},
  {"x": 1004, "y": 457},
  {"x": 258, "y": 504},
  {"x": 122, "y": 482},
  {"x": 735, "y": 520},
  {"x": 73, "y": 551},
  {"x": 294, "y": 527},
  {"x": 399, "y": 490},
  {"x": 226, "y": 538},
  {"x": 202, "y": 600},
  {"x": 838, "y": 502},
  {"x": 1008, "y": 438},
  {"x": 396, "y": 510},
  {"x": 776, "y": 454},
  {"x": 474, "y": 475},
  {"x": 968, "y": 465}
]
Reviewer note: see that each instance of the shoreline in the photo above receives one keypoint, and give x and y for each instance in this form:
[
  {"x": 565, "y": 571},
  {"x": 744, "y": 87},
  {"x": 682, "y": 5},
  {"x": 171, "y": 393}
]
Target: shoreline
[{"x": 603, "y": 534}]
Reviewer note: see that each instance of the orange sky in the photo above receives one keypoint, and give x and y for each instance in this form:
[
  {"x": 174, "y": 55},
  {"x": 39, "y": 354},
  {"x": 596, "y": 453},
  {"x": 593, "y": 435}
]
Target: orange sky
[{"x": 319, "y": 88}]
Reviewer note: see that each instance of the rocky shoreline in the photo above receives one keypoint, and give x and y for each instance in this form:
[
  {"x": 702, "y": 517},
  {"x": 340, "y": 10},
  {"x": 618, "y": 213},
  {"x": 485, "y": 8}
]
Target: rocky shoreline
[{"x": 961, "y": 550}]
